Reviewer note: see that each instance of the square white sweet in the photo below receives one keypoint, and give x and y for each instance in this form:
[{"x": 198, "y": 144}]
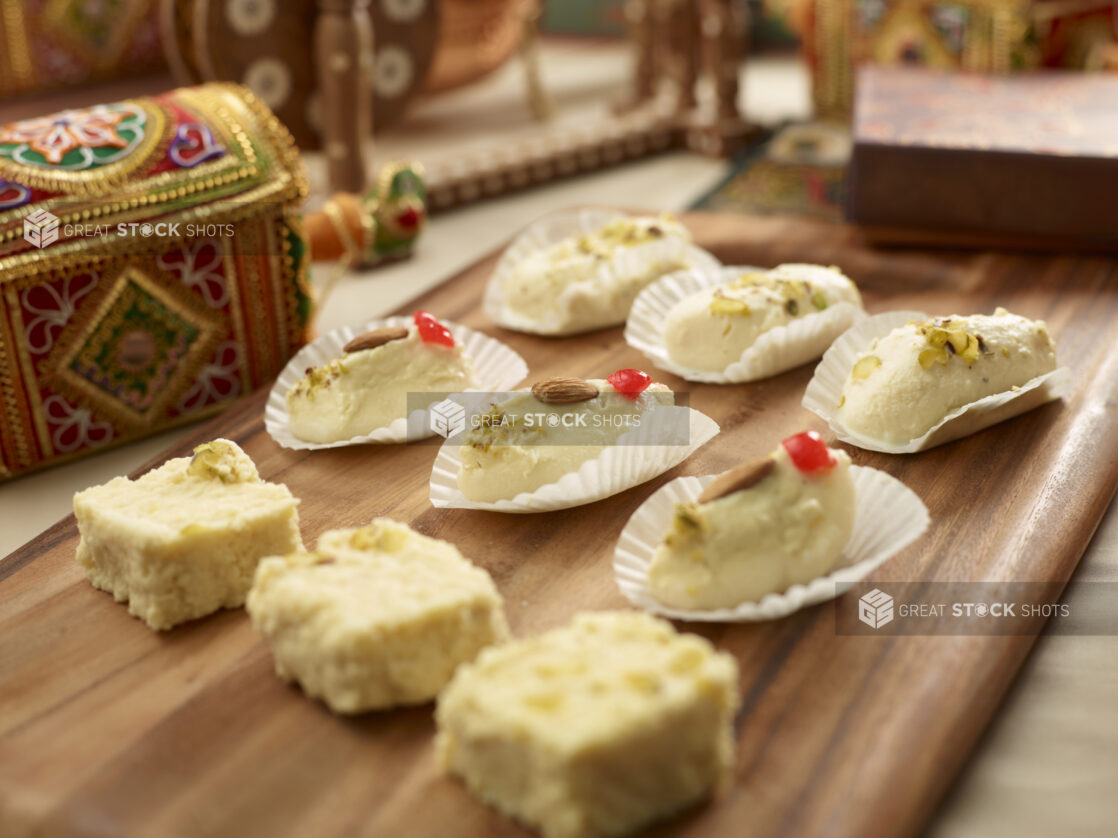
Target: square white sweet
[
  {"x": 594, "y": 729},
  {"x": 183, "y": 540},
  {"x": 375, "y": 617}
]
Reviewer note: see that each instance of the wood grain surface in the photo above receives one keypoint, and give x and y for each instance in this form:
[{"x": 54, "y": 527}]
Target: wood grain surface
[{"x": 108, "y": 728}]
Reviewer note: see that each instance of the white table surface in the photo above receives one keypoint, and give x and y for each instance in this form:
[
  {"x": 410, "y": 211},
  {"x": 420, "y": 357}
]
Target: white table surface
[{"x": 1049, "y": 763}]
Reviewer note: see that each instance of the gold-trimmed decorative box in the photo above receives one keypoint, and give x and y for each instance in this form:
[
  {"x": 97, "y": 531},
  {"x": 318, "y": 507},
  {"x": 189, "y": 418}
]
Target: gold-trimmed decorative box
[{"x": 153, "y": 268}]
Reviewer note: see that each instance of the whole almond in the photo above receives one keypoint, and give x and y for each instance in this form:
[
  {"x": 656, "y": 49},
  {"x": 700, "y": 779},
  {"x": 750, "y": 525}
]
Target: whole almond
[
  {"x": 738, "y": 479},
  {"x": 564, "y": 390},
  {"x": 375, "y": 338}
]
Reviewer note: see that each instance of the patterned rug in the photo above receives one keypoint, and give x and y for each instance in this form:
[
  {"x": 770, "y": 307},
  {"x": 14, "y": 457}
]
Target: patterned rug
[{"x": 758, "y": 183}]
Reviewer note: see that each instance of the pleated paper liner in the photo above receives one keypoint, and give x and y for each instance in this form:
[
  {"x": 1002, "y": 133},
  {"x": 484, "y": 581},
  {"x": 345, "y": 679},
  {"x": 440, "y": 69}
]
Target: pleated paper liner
[
  {"x": 630, "y": 462},
  {"x": 775, "y": 351},
  {"x": 498, "y": 368},
  {"x": 625, "y": 261},
  {"x": 888, "y": 516},
  {"x": 825, "y": 390}
]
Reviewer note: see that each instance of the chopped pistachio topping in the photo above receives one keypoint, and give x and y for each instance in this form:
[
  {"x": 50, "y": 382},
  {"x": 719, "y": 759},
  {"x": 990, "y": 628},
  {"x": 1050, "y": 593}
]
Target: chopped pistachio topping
[
  {"x": 931, "y": 356},
  {"x": 622, "y": 232},
  {"x": 729, "y": 305},
  {"x": 319, "y": 378},
  {"x": 950, "y": 337},
  {"x": 864, "y": 366},
  {"x": 686, "y": 525},
  {"x": 223, "y": 461},
  {"x": 752, "y": 278},
  {"x": 784, "y": 290},
  {"x": 497, "y": 428}
]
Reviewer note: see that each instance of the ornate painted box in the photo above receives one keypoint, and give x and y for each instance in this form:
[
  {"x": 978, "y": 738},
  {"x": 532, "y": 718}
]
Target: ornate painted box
[{"x": 152, "y": 268}]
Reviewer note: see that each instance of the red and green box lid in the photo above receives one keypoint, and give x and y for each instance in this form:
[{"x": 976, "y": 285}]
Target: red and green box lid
[{"x": 165, "y": 158}]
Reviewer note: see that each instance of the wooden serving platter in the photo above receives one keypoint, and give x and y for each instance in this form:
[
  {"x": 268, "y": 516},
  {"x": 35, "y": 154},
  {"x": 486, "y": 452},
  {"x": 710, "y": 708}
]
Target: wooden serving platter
[{"x": 108, "y": 728}]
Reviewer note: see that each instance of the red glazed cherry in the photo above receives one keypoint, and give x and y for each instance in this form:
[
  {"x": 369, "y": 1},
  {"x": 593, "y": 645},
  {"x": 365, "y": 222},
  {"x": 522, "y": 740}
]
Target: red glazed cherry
[
  {"x": 630, "y": 383},
  {"x": 431, "y": 330},
  {"x": 809, "y": 453}
]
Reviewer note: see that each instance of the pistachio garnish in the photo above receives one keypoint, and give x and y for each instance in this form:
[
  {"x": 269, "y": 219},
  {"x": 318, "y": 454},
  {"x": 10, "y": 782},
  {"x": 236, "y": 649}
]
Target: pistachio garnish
[
  {"x": 949, "y": 336},
  {"x": 375, "y": 338},
  {"x": 622, "y": 232},
  {"x": 728, "y": 305},
  {"x": 969, "y": 353},
  {"x": 686, "y": 525},
  {"x": 937, "y": 338},
  {"x": 223, "y": 461},
  {"x": 930, "y": 357},
  {"x": 957, "y": 339},
  {"x": 738, "y": 479},
  {"x": 865, "y": 366},
  {"x": 564, "y": 390},
  {"x": 792, "y": 307},
  {"x": 750, "y": 278},
  {"x": 818, "y": 300}
]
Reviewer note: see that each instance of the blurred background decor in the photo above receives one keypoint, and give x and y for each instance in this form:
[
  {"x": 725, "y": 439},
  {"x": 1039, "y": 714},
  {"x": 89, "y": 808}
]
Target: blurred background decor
[
  {"x": 476, "y": 37},
  {"x": 799, "y": 169},
  {"x": 989, "y": 36},
  {"x": 45, "y": 44},
  {"x": 266, "y": 45}
]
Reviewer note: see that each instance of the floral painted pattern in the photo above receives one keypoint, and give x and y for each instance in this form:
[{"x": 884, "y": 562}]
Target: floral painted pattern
[
  {"x": 193, "y": 144},
  {"x": 74, "y": 427},
  {"x": 200, "y": 266},
  {"x": 219, "y": 380},
  {"x": 13, "y": 194},
  {"x": 75, "y": 139},
  {"x": 50, "y": 306}
]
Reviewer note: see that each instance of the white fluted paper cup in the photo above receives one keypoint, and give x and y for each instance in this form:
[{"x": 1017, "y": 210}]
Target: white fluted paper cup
[
  {"x": 824, "y": 391},
  {"x": 563, "y": 319},
  {"x": 496, "y": 365},
  {"x": 775, "y": 351},
  {"x": 888, "y": 516},
  {"x": 631, "y": 461}
]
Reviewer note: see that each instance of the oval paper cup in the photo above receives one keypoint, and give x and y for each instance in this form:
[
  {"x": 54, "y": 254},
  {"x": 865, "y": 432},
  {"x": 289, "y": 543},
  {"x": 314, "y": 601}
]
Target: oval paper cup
[
  {"x": 825, "y": 390},
  {"x": 888, "y": 516},
  {"x": 497, "y": 366},
  {"x": 553, "y": 229},
  {"x": 775, "y": 351},
  {"x": 619, "y": 467}
]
